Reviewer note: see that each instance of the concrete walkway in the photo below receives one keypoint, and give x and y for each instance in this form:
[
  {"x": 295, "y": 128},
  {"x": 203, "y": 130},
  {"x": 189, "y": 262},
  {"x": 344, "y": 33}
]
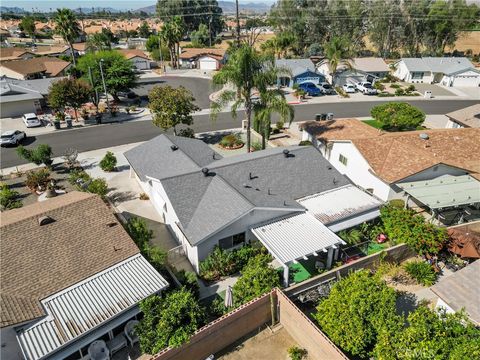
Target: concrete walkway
[{"x": 217, "y": 287}]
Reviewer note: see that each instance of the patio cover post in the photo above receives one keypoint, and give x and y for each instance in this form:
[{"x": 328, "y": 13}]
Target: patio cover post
[
  {"x": 335, "y": 256},
  {"x": 286, "y": 274},
  {"x": 329, "y": 258}
]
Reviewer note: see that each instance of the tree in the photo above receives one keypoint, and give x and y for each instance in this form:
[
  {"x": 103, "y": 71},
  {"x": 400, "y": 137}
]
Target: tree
[
  {"x": 69, "y": 92},
  {"x": 258, "y": 277},
  {"x": 118, "y": 71},
  {"x": 338, "y": 52},
  {"x": 245, "y": 70},
  {"x": 66, "y": 25},
  {"x": 398, "y": 116},
  {"x": 201, "y": 37},
  {"x": 430, "y": 335},
  {"x": 171, "y": 107},
  {"x": 144, "y": 30},
  {"x": 356, "y": 311},
  {"x": 279, "y": 45},
  {"x": 42, "y": 154},
  {"x": 140, "y": 233},
  {"x": 27, "y": 25},
  {"x": 386, "y": 26},
  {"x": 404, "y": 226},
  {"x": 168, "y": 321},
  {"x": 102, "y": 40},
  {"x": 171, "y": 33}
]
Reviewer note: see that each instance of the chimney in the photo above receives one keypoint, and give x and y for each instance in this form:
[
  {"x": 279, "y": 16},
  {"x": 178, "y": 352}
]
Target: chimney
[{"x": 205, "y": 171}]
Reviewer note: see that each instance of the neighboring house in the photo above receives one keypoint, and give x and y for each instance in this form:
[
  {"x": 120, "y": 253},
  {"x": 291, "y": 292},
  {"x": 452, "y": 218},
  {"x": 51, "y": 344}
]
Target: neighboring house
[
  {"x": 301, "y": 70},
  {"x": 363, "y": 69},
  {"x": 202, "y": 58},
  {"x": 14, "y": 53},
  {"x": 468, "y": 117},
  {"x": 81, "y": 48},
  {"x": 35, "y": 68},
  {"x": 138, "y": 58},
  {"x": 281, "y": 197},
  {"x": 70, "y": 275},
  {"x": 384, "y": 163},
  {"x": 461, "y": 290},
  {"x": 447, "y": 71}
]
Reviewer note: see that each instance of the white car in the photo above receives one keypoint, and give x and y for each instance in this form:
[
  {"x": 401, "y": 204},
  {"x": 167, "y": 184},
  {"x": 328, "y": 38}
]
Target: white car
[
  {"x": 326, "y": 88},
  {"x": 31, "y": 120},
  {"x": 349, "y": 88},
  {"x": 12, "y": 137},
  {"x": 366, "y": 88}
]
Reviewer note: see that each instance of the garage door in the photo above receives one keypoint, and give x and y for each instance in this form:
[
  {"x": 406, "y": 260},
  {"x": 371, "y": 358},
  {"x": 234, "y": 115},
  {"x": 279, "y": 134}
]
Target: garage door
[
  {"x": 466, "y": 80},
  {"x": 208, "y": 64},
  {"x": 16, "y": 108}
]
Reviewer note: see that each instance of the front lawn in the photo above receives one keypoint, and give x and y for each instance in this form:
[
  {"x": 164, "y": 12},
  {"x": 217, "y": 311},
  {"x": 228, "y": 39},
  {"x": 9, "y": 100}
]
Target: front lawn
[{"x": 378, "y": 125}]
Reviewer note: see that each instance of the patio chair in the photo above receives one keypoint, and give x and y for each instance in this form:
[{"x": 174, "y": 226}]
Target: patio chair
[
  {"x": 130, "y": 332},
  {"x": 98, "y": 350}
]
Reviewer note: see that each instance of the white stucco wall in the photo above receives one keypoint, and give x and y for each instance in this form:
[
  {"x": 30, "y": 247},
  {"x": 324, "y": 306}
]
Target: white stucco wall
[
  {"x": 466, "y": 79},
  {"x": 10, "y": 349},
  {"x": 140, "y": 63},
  {"x": 17, "y": 108},
  {"x": 403, "y": 73}
]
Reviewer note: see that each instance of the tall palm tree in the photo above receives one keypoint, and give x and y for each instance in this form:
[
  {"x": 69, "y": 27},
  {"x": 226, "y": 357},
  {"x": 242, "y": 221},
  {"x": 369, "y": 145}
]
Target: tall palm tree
[
  {"x": 247, "y": 70},
  {"x": 67, "y": 26},
  {"x": 172, "y": 33},
  {"x": 338, "y": 52}
]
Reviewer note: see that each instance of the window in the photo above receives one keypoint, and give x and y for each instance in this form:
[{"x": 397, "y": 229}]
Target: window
[
  {"x": 417, "y": 75},
  {"x": 343, "y": 159},
  {"x": 232, "y": 241}
]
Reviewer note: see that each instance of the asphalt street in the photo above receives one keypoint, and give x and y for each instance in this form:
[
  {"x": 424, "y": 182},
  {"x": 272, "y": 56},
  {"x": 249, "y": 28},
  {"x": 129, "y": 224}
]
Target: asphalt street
[{"x": 108, "y": 135}]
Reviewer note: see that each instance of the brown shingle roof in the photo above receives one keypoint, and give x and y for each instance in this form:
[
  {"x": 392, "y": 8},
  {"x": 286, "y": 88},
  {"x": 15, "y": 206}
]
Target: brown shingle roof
[
  {"x": 469, "y": 116},
  {"x": 397, "y": 155},
  {"x": 131, "y": 53},
  {"x": 12, "y": 53},
  {"x": 38, "y": 261},
  {"x": 189, "y": 53},
  {"x": 50, "y": 65}
]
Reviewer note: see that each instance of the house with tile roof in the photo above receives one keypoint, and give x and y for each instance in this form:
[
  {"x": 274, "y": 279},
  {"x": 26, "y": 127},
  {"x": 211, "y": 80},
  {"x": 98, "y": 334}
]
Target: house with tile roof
[
  {"x": 383, "y": 163},
  {"x": 138, "y": 58},
  {"x": 468, "y": 117},
  {"x": 202, "y": 58},
  {"x": 70, "y": 275},
  {"x": 208, "y": 200},
  {"x": 447, "y": 71},
  {"x": 34, "y": 68},
  {"x": 14, "y": 53},
  {"x": 363, "y": 69}
]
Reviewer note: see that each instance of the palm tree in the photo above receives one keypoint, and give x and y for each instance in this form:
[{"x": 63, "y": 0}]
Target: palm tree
[
  {"x": 66, "y": 25},
  {"x": 171, "y": 33},
  {"x": 338, "y": 52},
  {"x": 247, "y": 70}
]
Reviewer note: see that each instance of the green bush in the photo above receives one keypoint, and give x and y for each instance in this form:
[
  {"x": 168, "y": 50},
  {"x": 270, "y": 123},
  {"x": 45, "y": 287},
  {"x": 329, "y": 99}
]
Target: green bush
[
  {"x": 399, "y": 92},
  {"x": 296, "y": 353},
  {"x": 139, "y": 232},
  {"x": 231, "y": 140},
  {"x": 217, "y": 308},
  {"x": 8, "y": 198},
  {"x": 42, "y": 154},
  {"x": 341, "y": 92},
  {"x": 305, "y": 143},
  {"x": 189, "y": 280},
  {"x": 155, "y": 256},
  {"x": 187, "y": 132},
  {"x": 395, "y": 86},
  {"x": 256, "y": 146},
  {"x": 385, "y": 94},
  {"x": 108, "y": 162},
  {"x": 37, "y": 179},
  {"x": 410, "y": 88},
  {"x": 398, "y": 203},
  {"x": 379, "y": 86},
  {"x": 76, "y": 175},
  {"x": 98, "y": 186},
  {"x": 398, "y": 115},
  {"x": 352, "y": 236},
  {"x": 279, "y": 125},
  {"x": 422, "y": 272}
]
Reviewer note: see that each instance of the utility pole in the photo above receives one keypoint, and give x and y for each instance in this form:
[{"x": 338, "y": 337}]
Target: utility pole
[
  {"x": 161, "y": 55},
  {"x": 104, "y": 86},
  {"x": 210, "y": 25},
  {"x": 90, "y": 76},
  {"x": 238, "y": 24}
]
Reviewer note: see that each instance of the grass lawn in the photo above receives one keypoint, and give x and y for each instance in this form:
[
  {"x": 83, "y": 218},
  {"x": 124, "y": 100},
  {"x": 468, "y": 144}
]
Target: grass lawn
[
  {"x": 374, "y": 123},
  {"x": 301, "y": 271},
  {"x": 374, "y": 247}
]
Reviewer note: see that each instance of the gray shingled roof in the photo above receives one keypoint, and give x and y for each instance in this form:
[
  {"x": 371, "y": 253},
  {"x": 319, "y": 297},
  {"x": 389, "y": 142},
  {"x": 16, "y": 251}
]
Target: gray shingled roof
[
  {"x": 11, "y": 92},
  {"x": 235, "y": 185},
  {"x": 296, "y": 66},
  {"x": 446, "y": 65}
]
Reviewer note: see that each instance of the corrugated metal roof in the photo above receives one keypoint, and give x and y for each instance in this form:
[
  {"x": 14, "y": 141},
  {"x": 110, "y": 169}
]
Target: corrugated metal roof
[
  {"x": 444, "y": 191},
  {"x": 86, "y": 305},
  {"x": 338, "y": 204},
  {"x": 294, "y": 237}
]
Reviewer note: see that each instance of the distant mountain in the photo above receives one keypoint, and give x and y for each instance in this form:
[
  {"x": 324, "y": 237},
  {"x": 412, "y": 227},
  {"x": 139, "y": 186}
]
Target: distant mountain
[
  {"x": 228, "y": 7},
  {"x": 86, "y": 10},
  {"x": 11, "y": 10}
]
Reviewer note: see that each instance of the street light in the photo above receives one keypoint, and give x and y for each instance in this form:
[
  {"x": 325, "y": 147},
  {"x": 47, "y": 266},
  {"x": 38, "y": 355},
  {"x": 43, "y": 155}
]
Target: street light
[{"x": 104, "y": 86}]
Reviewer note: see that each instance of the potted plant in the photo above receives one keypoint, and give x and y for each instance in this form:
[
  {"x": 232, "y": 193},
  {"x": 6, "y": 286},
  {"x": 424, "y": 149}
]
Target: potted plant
[
  {"x": 59, "y": 116},
  {"x": 299, "y": 94}
]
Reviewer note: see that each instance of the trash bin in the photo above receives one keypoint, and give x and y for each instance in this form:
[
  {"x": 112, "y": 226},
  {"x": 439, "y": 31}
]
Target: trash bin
[
  {"x": 330, "y": 116},
  {"x": 69, "y": 123},
  {"x": 318, "y": 117},
  {"x": 98, "y": 118},
  {"x": 428, "y": 94},
  {"x": 57, "y": 125},
  {"x": 324, "y": 116}
]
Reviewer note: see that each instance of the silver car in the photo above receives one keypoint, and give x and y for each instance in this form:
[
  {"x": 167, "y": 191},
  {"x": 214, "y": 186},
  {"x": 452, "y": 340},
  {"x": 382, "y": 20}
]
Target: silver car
[
  {"x": 12, "y": 137},
  {"x": 31, "y": 120},
  {"x": 326, "y": 88}
]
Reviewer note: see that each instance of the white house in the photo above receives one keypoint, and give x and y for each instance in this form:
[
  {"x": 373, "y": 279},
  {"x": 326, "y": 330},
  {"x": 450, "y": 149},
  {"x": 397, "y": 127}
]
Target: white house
[
  {"x": 363, "y": 69},
  {"x": 466, "y": 117},
  {"x": 70, "y": 275},
  {"x": 447, "y": 71},
  {"x": 383, "y": 163},
  {"x": 202, "y": 58},
  {"x": 207, "y": 200},
  {"x": 138, "y": 58}
]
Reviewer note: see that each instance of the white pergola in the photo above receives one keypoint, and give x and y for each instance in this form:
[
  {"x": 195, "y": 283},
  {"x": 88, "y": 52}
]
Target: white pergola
[{"x": 297, "y": 237}]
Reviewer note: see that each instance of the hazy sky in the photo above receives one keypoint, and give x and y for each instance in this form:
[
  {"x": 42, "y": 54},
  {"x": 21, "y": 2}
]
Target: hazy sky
[{"x": 45, "y": 5}]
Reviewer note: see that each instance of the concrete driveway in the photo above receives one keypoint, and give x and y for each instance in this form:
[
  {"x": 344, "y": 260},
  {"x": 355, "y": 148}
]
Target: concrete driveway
[{"x": 435, "y": 89}]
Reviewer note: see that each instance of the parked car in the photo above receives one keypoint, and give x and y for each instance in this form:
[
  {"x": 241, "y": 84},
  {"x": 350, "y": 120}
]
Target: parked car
[
  {"x": 366, "y": 88},
  {"x": 326, "y": 88},
  {"x": 310, "y": 88},
  {"x": 349, "y": 88},
  {"x": 31, "y": 120},
  {"x": 12, "y": 137}
]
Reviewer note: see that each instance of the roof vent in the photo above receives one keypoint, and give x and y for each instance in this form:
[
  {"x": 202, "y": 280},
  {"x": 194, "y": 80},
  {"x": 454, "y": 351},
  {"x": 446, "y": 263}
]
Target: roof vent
[
  {"x": 286, "y": 152},
  {"x": 424, "y": 136},
  {"x": 44, "y": 220},
  {"x": 329, "y": 167},
  {"x": 205, "y": 171},
  {"x": 174, "y": 147},
  {"x": 111, "y": 224}
]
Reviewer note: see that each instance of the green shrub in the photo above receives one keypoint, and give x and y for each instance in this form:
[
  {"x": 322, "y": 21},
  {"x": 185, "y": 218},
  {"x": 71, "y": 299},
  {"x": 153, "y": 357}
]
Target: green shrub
[
  {"x": 231, "y": 140},
  {"x": 98, "y": 186},
  {"x": 398, "y": 115},
  {"x": 256, "y": 146},
  {"x": 296, "y": 353},
  {"x": 398, "y": 203},
  {"x": 395, "y": 86},
  {"x": 279, "y": 125},
  {"x": 410, "y": 88},
  {"x": 385, "y": 94},
  {"x": 379, "y": 86},
  {"x": 217, "y": 308},
  {"x": 399, "y": 92},
  {"x": 422, "y": 272},
  {"x": 108, "y": 162},
  {"x": 155, "y": 256},
  {"x": 341, "y": 92},
  {"x": 37, "y": 179},
  {"x": 305, "y": 143},
  {"x": 352, "y": 237},
  {"x": 139, "y": 232},
  {"x": 76, "y": 175},
  {"x": 42, "y": 154},
  {"x": 187, "y": 132},
  {"x": 8, "y": 198},
  {"x": 189, "y": 280}
]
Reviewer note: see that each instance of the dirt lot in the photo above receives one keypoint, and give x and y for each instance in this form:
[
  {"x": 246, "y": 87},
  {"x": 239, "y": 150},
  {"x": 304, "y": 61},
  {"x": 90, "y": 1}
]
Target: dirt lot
[
  {"x": 264, "y": 345},
  {"x": 469, "y": 40}
]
